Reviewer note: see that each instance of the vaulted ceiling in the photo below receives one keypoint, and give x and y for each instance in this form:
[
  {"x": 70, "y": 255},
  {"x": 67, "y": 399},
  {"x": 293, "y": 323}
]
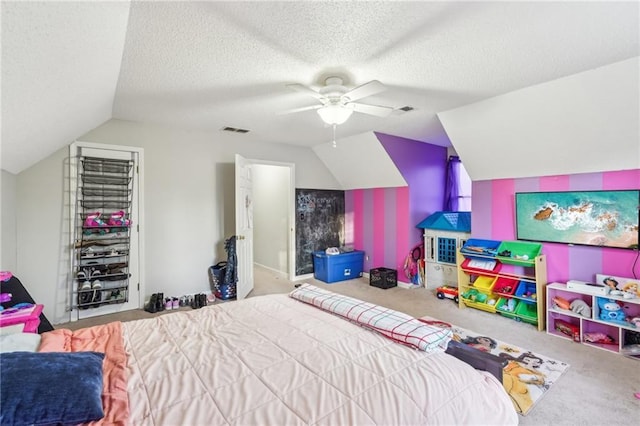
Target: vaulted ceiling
[{"x": 68, "y": 67}]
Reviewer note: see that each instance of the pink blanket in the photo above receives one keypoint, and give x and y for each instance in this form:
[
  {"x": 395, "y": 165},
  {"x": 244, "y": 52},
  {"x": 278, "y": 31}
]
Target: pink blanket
[{"x": 105, "y": 338}]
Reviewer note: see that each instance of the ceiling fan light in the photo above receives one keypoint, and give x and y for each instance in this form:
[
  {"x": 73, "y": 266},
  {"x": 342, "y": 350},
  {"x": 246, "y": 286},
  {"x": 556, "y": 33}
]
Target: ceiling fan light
[{"x": 333, "y": 114}]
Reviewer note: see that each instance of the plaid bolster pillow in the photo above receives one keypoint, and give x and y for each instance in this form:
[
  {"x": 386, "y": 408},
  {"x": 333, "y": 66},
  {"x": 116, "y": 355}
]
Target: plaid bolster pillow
[{"x": 393, "y": 324}]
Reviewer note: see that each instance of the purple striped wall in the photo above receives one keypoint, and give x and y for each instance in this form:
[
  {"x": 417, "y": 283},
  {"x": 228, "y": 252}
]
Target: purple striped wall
[
  {"x": 382, "y": 221},
  {"x": 493, "y": 218}
]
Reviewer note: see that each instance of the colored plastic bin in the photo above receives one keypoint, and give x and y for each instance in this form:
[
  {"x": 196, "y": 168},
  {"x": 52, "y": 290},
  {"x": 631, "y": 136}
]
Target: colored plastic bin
[
  {"x": 527, "y": 312},
  {"x": 475, "y": 248},
  {"x": 484, "y": 283},
  {"x": 503, "y": 302},
  {"x": 518, "y": 250},
  {"x": 479, "y": 300},
  {"x": 332, "y": 268},
  {"x": 525, "y": 291},
  {"x": 470, "y": 265},
  {"x": 504, "y": 285}
]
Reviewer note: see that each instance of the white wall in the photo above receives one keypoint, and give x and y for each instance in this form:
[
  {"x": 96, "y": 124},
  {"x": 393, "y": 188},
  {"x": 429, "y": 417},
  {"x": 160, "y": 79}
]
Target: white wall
[
  {"x": 360, "y": 161},
  {"x": 189, "y": 207},
  {"x": 587, "y": 122},
  {"x": 271, "y": 207},
  {"x": 8, "y": 232}
]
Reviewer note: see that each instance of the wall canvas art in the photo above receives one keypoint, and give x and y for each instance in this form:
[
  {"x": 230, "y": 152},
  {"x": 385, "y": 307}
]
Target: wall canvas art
[{"x": 597, "y": 218}]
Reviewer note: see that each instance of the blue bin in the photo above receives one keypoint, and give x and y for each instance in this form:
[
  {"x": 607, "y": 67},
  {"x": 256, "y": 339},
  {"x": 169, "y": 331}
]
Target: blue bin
[
  {"x": 332, "y": 268},
  {"x": 475, "y": 248}
]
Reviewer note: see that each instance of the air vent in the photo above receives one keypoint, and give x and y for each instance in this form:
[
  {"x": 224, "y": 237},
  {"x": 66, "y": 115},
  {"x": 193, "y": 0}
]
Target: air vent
[
  {"x": 406, "y": 108},
  {"x": 234, "y": 129}
]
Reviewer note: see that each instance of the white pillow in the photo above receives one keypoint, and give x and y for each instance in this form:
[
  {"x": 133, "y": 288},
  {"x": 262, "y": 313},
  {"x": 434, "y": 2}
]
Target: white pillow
[{"x": 23, "y": 342}]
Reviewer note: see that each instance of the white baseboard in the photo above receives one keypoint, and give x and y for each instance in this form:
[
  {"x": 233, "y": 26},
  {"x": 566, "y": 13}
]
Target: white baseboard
[{"x": 275, "y": 271}]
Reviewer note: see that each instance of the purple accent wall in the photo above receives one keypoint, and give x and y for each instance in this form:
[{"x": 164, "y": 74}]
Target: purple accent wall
[
  {"x": 423, "y": 166},
  {"x": 388, "y": 233}
]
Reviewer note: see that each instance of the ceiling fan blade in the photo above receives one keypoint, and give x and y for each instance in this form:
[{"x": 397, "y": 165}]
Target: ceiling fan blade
[
  {"x": 307, "y": 108},
  {"x": 367, "y": 89},
  {"x": 304, "y": 89},
  {"x": 377, "y": 110}
]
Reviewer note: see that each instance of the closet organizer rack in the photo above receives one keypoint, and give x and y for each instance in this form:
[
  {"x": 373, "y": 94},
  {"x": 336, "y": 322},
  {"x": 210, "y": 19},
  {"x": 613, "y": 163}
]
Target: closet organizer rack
[{"x": 102, "y": 232}]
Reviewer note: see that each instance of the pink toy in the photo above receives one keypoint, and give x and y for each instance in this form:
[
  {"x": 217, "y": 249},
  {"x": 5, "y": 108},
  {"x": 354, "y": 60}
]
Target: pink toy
[
  {"x": 119, "y": 219},
  {"x": 5, "y": 297},
  {"x": 29, "y": 316},
  {"x": 5, "y": 275},
  {"x": 93, "y": 220}
]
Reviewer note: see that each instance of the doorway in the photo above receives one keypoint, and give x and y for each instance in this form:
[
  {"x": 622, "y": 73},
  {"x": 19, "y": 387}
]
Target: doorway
[{"x": 272, "y": 230}]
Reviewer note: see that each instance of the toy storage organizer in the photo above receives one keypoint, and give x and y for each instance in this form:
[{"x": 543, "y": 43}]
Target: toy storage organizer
[
  {"x": 331, "y": 268},
  {"x": 102, "y": 232},
  {"x": 583, "y": 329},
  {"x": 503, "y": 277}
]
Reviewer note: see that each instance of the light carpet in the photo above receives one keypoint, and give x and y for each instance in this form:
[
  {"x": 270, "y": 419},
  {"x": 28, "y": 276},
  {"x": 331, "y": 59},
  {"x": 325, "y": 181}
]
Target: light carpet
[{"x": 527, "y": 377}]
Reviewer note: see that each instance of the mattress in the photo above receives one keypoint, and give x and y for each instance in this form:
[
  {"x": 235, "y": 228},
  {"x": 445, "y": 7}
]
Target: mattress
[{"x": 274, "y": 360}]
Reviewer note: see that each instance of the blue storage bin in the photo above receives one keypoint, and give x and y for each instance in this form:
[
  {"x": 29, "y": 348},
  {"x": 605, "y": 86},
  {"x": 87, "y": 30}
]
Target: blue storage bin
[
  {"x": 331, "y": 268},
  {"x": 526, "y": 290},
  {"x": 475, "y": 248}
]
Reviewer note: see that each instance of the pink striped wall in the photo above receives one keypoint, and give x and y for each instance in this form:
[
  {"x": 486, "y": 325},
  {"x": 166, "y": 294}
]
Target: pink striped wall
[
  {"x": 493, "y": 218},
  {"x": 379, "y": 218}
]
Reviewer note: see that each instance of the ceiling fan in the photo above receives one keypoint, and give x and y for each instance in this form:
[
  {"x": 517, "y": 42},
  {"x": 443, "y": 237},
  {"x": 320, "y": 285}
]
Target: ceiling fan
[{"x": 337, "y": 103}]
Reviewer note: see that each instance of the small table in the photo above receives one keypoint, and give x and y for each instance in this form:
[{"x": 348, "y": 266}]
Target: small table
[{"x": 27, "y": 318}]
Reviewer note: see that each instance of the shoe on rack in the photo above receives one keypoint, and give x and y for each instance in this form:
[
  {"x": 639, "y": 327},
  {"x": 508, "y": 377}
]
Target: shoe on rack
[
  {"x": 96, "y": 298},
  {"x": 153, "y": 302},
  {"x": 203, "y": 300},
  {"x": 83, "y": 280},
  {"x": 119, "y": 219},
  {"x": 168, "y": 304},
  {"x": 115, "y": 295},
  {"x": 93, "y": 220},
  {"x": 84, "y": 299},
  {"x": 95, "y": 283},
  {"x": 175, "y": 303}
]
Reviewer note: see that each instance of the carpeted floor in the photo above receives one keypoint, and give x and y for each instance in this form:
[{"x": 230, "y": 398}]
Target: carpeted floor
[{"x": 597, "y": 389}]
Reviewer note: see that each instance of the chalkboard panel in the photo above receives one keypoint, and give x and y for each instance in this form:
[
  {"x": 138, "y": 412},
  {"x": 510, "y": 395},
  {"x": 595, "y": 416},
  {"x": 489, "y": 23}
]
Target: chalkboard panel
[{"x": 319, "y": 224}]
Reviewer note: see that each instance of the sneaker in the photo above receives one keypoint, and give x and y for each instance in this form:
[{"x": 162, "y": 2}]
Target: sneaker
[
  {"x": 83, "y": 280},
  {"x": 168, "y": 304},
  {"x": 175, "y": 303},
  {"x": 84, "y": 299},
  {"x": 96, "y": 298},
  {"x": 96, "y": 284}
]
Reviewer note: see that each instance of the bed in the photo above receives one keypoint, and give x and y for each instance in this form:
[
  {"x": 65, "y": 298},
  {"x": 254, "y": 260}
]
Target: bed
[{"x": 285, "y": 359}]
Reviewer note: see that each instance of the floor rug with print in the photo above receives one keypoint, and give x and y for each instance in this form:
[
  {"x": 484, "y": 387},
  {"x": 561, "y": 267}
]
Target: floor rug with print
[{"x": 527, "y": 376}]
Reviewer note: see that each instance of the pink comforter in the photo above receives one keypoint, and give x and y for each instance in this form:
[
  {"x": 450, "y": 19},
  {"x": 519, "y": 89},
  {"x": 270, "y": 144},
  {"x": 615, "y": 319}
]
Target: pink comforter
[{"x": 105, "y": 338}]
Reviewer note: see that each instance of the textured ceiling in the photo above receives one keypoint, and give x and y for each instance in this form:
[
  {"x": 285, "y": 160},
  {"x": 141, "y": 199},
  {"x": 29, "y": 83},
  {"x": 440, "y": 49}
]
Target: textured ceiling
[{"x": 206, "y": 65}]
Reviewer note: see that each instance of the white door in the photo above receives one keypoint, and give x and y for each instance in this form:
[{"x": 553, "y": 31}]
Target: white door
[
  {"x": 134, "y": 300},
  {"x": 244, "y": 227}
]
